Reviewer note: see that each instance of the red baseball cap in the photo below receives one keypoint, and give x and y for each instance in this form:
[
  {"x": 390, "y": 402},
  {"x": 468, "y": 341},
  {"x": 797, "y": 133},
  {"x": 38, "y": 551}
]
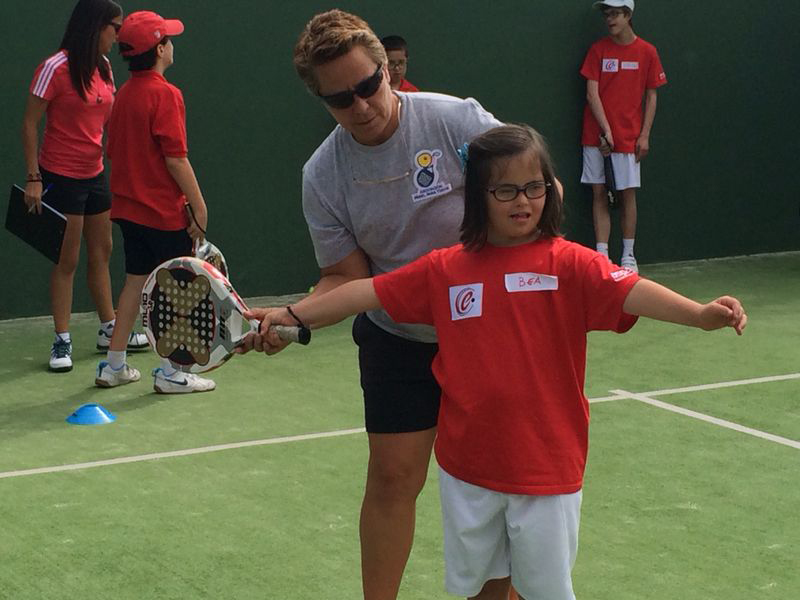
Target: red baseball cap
[{"x": 144, "y": 29}]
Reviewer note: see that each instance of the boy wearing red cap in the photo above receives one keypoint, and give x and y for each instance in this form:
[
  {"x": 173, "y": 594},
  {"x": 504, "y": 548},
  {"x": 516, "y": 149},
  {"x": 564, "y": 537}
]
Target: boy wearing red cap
[
  {"x": 151, "y": 182},
  {"x": 620, "y": 69}
]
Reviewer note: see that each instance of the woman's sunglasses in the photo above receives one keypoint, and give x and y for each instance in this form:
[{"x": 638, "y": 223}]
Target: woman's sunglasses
[{"x": 365, "y": 88}]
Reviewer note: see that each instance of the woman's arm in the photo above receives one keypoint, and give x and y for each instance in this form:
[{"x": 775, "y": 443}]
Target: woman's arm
[{"x": 35, "y": 109}]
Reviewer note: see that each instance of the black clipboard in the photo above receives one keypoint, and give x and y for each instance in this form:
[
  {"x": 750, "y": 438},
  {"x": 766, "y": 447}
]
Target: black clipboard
[{"x": 44, "y": 232}]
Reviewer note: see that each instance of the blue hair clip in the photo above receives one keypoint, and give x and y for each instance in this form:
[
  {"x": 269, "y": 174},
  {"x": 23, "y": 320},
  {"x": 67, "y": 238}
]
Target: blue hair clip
[{"x": 463, "y": 155}]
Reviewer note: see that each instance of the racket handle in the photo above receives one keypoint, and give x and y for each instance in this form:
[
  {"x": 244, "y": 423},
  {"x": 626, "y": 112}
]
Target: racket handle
[{"x": 299, "y": 335}]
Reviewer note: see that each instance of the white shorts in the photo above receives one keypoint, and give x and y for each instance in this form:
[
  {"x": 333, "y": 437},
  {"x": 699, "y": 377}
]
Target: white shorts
[
  {"x": 627, "y": 171},
  {"x": 491, "y": 535}
]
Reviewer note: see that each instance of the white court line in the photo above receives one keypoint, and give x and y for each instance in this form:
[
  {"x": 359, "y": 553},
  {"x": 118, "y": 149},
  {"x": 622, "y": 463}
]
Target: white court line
[
  {"x": 709, "y": 419},
  {"x": 175, "y": 453},
  {"x": 701, "y": 387},
  {"x": 617, "y": 395},
  {"x": 723, "y": 384}
]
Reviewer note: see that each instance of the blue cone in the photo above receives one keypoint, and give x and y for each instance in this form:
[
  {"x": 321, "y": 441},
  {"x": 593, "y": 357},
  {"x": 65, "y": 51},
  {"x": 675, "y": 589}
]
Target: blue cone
[{"x": 91, "y": 414}]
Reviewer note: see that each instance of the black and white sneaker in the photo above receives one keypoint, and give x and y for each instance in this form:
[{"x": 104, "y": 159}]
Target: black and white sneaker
[
  {"x": 61, "y": 356},
  {"x": 136, "y": 341}
]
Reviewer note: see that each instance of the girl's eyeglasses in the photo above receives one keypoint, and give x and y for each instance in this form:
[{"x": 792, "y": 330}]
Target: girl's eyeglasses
[
  {"x": 365, "y": 88},
  {"x": 116, "y": 26},
  {"x": 508, "y": 192}
]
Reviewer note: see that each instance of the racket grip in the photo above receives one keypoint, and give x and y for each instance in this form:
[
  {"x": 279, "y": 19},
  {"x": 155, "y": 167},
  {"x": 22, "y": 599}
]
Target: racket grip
[{"x": 299, "y": 335}]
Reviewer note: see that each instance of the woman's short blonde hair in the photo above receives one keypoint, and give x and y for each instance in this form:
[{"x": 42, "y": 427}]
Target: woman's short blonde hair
[{"x": 328, "y": 36}]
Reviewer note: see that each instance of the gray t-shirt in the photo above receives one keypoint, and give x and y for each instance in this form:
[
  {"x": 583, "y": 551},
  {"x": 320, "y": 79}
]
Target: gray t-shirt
[{"x": 398, "y": 200}]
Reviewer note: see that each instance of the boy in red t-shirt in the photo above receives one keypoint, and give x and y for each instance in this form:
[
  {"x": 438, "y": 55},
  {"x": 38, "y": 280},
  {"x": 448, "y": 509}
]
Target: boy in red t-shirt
[
  {"x": 397, "y": 55},
  {"x": 151, "y": 183},
  {"x": 619, "y": 69}
]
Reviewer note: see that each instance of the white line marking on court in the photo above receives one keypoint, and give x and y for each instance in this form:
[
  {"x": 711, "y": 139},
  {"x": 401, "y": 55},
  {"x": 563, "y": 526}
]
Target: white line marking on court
[
  {"x": 175, "y": 453},
  {"x": 709, "y": 419},
  {"x": 723, "y": 384},
  {"x": 605, "y": 399},
  {"x": 616, "y": 395},
  {"x": 702, "y": 387}
]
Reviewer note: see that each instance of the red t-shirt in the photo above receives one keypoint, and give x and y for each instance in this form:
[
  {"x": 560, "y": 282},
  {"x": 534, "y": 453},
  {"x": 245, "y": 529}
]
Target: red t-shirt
[
  {"x": 512, "y": 324},
  {"x": 73, "y": 134},
  {"x": 407, "y": 86},
  {"x": 622, "y": 73},
  {"x": 147, "y": 124}
]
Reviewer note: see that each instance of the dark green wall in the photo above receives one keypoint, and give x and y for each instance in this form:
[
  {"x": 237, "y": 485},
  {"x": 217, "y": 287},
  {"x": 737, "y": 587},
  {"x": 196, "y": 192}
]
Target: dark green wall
[{"x": 722, "y": 177}]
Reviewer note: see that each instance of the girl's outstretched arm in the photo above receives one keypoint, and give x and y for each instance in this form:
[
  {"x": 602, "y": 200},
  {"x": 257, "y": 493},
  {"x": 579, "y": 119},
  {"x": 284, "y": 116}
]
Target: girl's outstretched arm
[
  {"x": 649, "y": 299},
  {"x": 325, "y": 309}
]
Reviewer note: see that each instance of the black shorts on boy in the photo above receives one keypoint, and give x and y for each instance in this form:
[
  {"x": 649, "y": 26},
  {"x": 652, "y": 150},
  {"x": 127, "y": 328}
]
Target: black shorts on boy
[{"x": 146, "y": 248}]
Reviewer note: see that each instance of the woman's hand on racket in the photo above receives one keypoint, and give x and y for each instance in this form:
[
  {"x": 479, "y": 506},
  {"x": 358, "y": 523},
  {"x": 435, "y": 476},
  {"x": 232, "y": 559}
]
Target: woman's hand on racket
[
  {"x": 33, "y": 196},
  {"x": 725, "y": 311}
]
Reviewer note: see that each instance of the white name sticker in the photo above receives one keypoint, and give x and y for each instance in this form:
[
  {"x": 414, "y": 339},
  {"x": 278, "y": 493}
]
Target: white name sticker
[
  {"x": 610, "y": 65},
  {"x": 530, "y": 282},
  {"x": 466, "y": 301},
  {"x": 621, "y": 274},
  {"x": 630, "y": 65}
]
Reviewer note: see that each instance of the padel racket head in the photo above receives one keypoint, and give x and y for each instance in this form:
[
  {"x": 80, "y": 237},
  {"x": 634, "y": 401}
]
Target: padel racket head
[
  {"x": 211, "y": 254},
  {"x": 191, "y": 314}
]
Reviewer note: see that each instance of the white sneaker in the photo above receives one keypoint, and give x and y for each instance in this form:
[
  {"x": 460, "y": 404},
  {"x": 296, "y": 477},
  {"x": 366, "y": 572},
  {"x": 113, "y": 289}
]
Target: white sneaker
[
  {"x": 136, "y": 341},
  {"x": 61, "y": 356},
  {"x": 108, "y": 377},
  {"x": 629, "y": 262},
  {"x": 180, "y": 383}
]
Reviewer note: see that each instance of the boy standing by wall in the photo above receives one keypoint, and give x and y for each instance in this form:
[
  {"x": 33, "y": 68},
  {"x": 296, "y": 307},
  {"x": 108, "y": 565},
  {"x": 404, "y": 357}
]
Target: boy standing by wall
[
  {"x": 619, "y": 70},
  {"x": 151, "y": 183},
  {"x": 397, "y": 54}
]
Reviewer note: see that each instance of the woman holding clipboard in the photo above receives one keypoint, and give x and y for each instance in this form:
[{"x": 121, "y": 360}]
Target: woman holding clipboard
[{"x": 74, "y": 88}]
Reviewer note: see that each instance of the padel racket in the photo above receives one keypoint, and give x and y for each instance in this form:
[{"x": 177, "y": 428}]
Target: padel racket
[
  {"x": 611, "y": 180},
  {"x": 193, "y": 317},
  {"x": 208, "y": 252}
]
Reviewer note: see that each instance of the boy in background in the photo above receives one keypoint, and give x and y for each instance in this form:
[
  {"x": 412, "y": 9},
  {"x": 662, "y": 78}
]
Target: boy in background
[
  {"x": 397, "y": 53},
  {"x": 152, "y": 181},
  {"x": 619, "y": 69}
]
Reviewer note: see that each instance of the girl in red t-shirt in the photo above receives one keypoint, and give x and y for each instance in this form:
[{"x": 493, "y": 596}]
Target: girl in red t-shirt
[
  {"x": 75, "y": 89},
  {"x": 512, "y": 307}
]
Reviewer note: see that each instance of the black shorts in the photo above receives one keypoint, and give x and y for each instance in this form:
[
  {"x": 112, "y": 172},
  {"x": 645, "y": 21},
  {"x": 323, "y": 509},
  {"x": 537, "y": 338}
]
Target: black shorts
[
  {"x": 146, "y": 248},
  {"x": 400, "y": 392},
  {"x": 76, "y": 196}
]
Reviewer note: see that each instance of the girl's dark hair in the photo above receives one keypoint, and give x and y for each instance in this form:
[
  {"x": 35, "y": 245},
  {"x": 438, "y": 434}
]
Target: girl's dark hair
[
  {"x": 145, "y": 60},
  {"x": 484, "y": 153},
  {"x": 82, "y": 41}
]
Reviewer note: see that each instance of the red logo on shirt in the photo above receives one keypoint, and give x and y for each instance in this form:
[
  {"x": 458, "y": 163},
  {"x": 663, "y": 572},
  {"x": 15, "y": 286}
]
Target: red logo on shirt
[
  {"x": 610, "y": 65},
  {"x": 464, "y": 301}
]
